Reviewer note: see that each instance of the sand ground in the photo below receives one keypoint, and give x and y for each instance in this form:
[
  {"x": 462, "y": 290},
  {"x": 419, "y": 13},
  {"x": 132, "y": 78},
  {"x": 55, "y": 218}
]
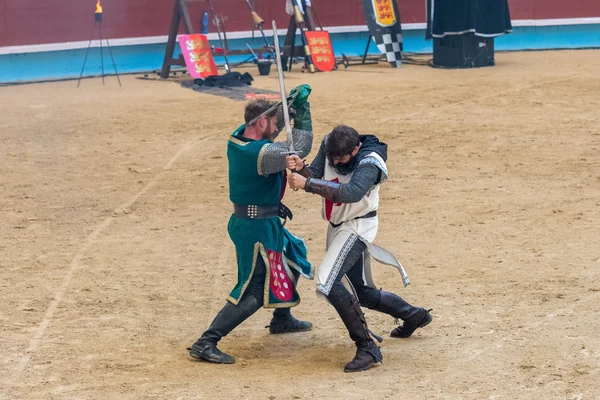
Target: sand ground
[{"x": 114, "y": 254}]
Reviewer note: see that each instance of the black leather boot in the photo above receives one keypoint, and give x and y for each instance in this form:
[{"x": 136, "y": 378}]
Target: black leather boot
[
  {"x": 413, "y": 317},
  {"x": 284, "y": 322},
  {"x": 367, "y": 352},
  {"x": 226, "y": 320}
]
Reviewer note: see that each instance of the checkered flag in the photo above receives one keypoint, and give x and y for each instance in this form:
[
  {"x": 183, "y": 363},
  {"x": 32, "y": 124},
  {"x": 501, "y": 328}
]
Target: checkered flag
[
  {"x": 391, "y": 46},
  {"x": 385, "y": 29}
]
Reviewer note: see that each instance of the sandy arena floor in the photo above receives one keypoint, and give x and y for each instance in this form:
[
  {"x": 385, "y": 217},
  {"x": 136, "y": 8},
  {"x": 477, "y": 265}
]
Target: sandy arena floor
[{"x": 114, "y": 254}]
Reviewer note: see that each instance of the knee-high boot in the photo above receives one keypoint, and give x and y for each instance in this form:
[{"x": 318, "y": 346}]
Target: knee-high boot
[
  {"x": 367, "y": 352},
  {"x": 413, "y": 317},
  {"x": 226, "y": 320}
]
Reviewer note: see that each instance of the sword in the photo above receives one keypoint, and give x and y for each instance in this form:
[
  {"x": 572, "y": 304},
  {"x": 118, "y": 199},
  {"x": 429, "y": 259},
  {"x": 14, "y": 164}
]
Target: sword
[{"x": 286, "y": 113}]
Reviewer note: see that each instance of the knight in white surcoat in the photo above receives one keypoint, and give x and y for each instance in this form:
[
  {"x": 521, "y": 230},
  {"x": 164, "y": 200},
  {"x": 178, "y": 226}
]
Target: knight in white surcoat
[{"x": 347, "y": 173}]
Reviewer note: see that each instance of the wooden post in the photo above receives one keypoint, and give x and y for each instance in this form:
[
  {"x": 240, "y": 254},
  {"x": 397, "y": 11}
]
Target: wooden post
[
  {"x": 179, "y": 11},
  {"x": 289, "y": 45}
]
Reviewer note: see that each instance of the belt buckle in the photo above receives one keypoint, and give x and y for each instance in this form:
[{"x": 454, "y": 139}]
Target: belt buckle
[{"x": 252, "y": 211}]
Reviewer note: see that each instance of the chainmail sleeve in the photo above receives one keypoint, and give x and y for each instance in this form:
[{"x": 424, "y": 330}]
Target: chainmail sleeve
[
  {"x": 271, "y": 158},
  {"x": 317, "y": 167},
  {"x": 363, "y": 179},
  {"x": 365, "y": 176}
]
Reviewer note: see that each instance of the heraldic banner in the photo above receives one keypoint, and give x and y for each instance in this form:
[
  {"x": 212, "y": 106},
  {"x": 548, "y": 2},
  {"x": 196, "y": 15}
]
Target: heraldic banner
[
  {"x": 197, "y": 55},
  {"x": 320, "y": 48}
]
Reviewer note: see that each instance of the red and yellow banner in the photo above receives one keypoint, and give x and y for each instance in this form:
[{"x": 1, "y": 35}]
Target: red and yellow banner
[
  {"x": 384, "y": 12},
  {"x": 197, "y": 55},
  {"x": 321, "y": 51}
]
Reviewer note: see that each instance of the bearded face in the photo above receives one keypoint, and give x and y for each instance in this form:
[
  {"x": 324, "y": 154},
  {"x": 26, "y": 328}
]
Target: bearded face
[
  {"x": 343, "y": 167},
  {"x": 344, "y": 164},
  {"x": 271, "y": 130}
]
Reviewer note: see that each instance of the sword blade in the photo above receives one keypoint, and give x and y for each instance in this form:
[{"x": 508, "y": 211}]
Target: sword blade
[{"x": 286, "y": 114}]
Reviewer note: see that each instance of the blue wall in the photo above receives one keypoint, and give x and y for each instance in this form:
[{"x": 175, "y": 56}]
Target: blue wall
[{"x": 68, "y": 63}]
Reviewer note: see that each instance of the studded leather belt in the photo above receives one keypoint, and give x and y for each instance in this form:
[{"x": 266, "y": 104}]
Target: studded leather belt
[{"x": 262, "y": 212}]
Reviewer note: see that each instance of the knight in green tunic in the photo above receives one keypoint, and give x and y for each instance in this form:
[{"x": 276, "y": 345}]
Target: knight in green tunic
[{"x": 270, "y": 259}]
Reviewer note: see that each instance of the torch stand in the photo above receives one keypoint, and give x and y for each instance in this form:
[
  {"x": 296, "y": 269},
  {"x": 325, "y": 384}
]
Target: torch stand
[{"x": 98, "y": 22}]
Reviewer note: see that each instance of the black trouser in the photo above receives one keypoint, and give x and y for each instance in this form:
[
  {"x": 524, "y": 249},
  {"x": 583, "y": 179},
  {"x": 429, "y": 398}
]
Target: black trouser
[
  {"x": 256, "y": 286},
  {"x": 353, "y": 268},
  {"x": 232, "y": 315},
  {"x": 385, "y": 302}
]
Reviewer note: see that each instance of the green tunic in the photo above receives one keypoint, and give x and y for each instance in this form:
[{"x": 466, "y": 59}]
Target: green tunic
[{"x": 266, "y": 238}]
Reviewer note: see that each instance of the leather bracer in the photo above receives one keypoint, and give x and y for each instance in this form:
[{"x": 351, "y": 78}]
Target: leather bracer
[
  {"x": 305, "y": 171},
  {"x": 327, "y": 189}
]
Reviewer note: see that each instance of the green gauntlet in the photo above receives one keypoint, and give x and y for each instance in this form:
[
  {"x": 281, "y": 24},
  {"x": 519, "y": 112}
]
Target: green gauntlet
[
  {"x": 302, "y": 97},
  {"x": 302, "y": 119}
]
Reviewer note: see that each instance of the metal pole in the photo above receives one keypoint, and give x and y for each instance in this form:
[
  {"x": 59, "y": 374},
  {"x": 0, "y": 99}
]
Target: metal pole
[
  {"x": 101, "y": 54},
  {"x": 259, "y": 21},
  {"x": 86, "y": 54},
  {"x": 216, "y": 22},
  {"x": 252, "y": 51},
  {"x": 113, "y": 61},
  {"x": 299, "y": 22}
]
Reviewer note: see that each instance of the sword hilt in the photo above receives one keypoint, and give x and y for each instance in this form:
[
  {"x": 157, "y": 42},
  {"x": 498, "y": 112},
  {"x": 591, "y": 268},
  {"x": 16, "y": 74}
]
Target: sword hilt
[{"x": 289, "y": 153}]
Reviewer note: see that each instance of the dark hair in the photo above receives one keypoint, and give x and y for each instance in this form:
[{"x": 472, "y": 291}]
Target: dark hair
[
  {"x": 341, "y": 141},
  {"x": 256, "y": 107}
]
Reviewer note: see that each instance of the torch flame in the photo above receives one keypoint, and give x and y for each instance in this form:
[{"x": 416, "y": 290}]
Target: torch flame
[{"x": 98, "y": 8}]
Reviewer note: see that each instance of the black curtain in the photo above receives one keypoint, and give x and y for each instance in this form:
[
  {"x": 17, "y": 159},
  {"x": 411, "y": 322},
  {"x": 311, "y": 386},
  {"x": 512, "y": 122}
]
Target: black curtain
[{"x": 486, "y": 18}]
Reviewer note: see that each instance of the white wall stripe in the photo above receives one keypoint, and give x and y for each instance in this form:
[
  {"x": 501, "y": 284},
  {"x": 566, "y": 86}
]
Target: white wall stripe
[{"x": 269, "y": 33}]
